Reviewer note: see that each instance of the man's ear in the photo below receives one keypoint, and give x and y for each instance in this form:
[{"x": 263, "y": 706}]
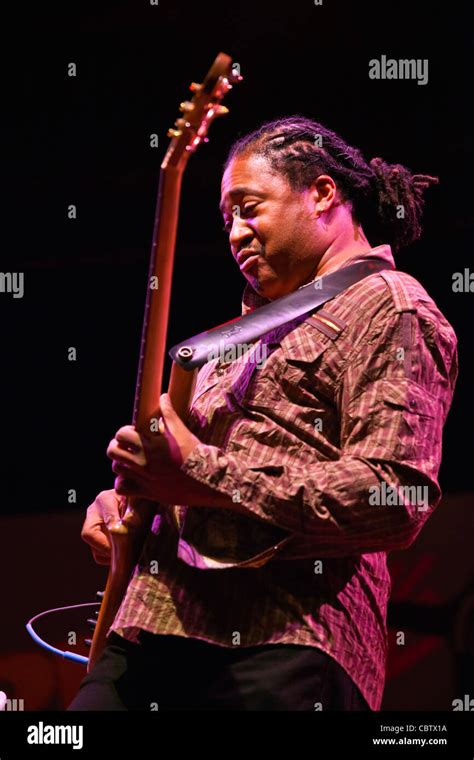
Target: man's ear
[{"x": 324, "y": 193}]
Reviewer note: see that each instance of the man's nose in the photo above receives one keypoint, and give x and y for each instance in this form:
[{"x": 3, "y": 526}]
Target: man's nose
[{"x": 240, "y": 235}]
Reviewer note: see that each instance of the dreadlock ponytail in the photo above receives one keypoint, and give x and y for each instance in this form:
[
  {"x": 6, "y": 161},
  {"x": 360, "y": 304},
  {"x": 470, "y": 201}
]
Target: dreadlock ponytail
[{"x": 387, "y": 200}]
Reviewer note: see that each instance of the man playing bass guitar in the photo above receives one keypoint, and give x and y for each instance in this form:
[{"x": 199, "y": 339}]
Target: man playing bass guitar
[{"x": 298, "y": 473}]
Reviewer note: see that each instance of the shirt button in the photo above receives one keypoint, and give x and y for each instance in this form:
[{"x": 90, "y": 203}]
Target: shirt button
[{"x": 221, "y": 368}]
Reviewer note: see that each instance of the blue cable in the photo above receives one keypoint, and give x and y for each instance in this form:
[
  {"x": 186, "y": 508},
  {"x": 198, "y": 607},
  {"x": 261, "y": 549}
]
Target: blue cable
[{"x": 66, "y": 654}]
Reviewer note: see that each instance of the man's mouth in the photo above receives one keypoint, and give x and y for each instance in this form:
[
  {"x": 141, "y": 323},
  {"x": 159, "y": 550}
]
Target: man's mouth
[
  {"x": 249, "y": 263},
  {"x": 246, "y": 259}
]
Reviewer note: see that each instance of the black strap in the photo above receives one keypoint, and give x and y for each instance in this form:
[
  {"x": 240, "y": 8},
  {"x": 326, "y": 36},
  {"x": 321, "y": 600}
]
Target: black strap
[{"x": 196, "y": 351}]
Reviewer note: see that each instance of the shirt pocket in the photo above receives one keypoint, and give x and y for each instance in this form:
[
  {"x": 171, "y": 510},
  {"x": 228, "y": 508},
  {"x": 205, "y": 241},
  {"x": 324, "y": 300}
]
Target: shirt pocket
[
  {"x": 203, "y": 400},
  {"x": 256, "y": 389},
  {"x": 206, "y": 379},
  {"x": 201, "y": 391},
  {"x": 310, "y": 368}
]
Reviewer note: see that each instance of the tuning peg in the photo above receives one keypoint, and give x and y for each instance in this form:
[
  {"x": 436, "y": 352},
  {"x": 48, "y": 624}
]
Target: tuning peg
[
  {"x": 88, "y": 642},
  {"x": 174, "y": 133},
  {"x": 180, "y": 123},
  {"x": 220, "y": 110},
  {"x": 186, "y": 105},
  {"x": 195, "y": 87},
  {"x": 100, "y": 595},
  {"x": 91, "y": 623}
]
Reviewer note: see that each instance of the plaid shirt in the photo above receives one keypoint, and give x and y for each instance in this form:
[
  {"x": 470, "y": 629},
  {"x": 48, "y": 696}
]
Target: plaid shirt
[{"x": 332, "y": 444}]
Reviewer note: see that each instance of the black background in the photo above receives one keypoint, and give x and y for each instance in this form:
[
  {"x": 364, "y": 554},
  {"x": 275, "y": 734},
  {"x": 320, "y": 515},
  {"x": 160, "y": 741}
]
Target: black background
[{"x": 86, "y": 140}]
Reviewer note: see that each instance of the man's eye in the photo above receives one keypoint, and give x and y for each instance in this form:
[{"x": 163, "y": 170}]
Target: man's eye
[{"x": 248, "y": 207}]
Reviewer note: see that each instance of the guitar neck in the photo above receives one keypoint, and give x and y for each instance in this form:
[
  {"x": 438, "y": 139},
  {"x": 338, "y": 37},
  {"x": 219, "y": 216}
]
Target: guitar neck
[
  {"x": 191, "y": 130},
  {"x": 157, "y": 304}
]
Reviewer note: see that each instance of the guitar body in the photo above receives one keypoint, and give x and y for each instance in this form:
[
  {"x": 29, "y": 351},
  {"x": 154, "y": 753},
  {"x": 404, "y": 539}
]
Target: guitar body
[{"x": 128, "y": 535}]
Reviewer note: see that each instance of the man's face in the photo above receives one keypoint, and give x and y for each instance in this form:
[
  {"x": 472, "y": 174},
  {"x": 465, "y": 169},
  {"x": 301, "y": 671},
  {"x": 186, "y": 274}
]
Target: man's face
[{"x": 263, "y": 214}]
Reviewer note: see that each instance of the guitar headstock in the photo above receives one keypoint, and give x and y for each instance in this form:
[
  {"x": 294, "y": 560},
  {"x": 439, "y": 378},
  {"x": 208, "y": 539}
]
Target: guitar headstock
[{"x": 191, "y": 129}]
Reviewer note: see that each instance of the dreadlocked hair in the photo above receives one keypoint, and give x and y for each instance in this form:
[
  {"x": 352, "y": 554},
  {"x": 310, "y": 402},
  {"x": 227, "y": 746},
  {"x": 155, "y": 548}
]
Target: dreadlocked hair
[{"x": 387, "y": 199}]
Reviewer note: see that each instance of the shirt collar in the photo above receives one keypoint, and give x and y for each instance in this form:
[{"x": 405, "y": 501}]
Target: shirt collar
[{"x": 252, "y": 300}]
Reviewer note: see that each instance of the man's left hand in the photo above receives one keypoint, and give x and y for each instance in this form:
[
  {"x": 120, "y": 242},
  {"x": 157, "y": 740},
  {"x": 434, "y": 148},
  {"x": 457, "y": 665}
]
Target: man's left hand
[{"x": 148, "y": 466}]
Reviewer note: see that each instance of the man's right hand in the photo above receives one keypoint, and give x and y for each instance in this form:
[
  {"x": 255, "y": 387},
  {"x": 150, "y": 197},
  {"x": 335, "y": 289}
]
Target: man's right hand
[{"x": 102, "y": 512}]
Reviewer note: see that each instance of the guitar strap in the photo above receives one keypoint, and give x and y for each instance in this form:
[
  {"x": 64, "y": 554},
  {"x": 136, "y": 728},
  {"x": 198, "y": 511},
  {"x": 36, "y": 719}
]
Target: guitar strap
[{"x": 196, "y": 351}]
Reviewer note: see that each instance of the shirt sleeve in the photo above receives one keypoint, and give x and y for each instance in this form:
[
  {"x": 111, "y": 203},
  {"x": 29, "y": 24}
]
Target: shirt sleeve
[{"x": 393, "y": 399}]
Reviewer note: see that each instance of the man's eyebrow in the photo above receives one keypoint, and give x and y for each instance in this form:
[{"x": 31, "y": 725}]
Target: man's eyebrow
[{"x": 241, "y": 190}]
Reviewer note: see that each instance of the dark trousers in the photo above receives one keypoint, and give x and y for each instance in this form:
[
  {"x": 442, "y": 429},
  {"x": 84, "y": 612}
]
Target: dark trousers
[{"x": 179, "y": 673}]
